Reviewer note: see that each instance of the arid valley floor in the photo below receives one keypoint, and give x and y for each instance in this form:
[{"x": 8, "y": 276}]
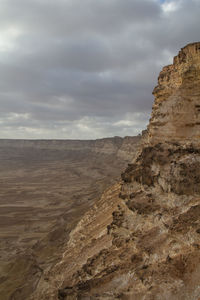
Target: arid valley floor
[{"x": 45, "y": 188}]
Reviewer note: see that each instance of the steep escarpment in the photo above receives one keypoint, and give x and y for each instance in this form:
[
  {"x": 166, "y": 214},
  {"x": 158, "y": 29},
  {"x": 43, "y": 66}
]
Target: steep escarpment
[
  {"x": 151, "y": 247},
  {"x": 118, "y": 146}
]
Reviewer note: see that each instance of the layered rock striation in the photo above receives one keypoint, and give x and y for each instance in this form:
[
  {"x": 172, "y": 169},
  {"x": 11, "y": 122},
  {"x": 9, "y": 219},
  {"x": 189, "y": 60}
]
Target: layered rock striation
[
  {"x": 176, "y": 110},
  {"x": 151, "y": 247}
]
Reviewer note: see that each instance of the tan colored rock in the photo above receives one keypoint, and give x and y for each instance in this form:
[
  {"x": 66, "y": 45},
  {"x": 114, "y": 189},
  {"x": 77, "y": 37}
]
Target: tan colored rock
[{"x": 176, "y": 111}]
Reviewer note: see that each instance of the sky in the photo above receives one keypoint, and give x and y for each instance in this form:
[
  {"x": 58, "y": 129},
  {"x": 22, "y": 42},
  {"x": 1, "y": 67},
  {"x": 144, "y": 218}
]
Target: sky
[{"x": 85, "y": 69}]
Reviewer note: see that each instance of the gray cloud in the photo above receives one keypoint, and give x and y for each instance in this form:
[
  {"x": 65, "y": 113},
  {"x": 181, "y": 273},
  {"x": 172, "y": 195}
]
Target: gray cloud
[{"x": 86, "y": 69}]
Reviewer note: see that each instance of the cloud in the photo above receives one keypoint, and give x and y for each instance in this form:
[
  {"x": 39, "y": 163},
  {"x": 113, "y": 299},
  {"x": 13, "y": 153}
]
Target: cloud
[{"x": 86, "y": 69}]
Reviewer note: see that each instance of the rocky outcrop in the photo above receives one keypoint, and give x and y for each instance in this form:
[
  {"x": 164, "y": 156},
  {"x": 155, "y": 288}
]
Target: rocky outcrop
[{"x": 151, "y": 250}]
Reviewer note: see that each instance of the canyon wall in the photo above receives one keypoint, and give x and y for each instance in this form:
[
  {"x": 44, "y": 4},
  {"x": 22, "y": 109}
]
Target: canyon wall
[{"x": 121, "y": 147}]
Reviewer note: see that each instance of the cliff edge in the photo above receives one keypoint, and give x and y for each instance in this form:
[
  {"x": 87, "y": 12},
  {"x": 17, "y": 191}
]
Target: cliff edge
[{"x": 142, "y": 240}]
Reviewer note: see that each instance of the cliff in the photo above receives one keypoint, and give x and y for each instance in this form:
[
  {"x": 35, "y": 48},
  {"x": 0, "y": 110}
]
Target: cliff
[{"x": 142, "y": 239}]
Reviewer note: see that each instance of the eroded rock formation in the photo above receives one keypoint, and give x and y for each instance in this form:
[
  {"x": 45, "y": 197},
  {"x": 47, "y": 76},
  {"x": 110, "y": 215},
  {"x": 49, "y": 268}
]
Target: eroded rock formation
[{"x": 150, "y": 248}]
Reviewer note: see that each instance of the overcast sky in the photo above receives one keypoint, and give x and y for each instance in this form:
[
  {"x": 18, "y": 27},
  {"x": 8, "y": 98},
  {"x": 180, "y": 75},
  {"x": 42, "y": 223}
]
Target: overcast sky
[{"x": 86, "y": 68}]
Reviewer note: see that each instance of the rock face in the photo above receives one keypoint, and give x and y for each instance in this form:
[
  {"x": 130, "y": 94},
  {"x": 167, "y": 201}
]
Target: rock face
[
  {"x": 151, "y": 247},
  {"x": 176, "y": 110}
]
